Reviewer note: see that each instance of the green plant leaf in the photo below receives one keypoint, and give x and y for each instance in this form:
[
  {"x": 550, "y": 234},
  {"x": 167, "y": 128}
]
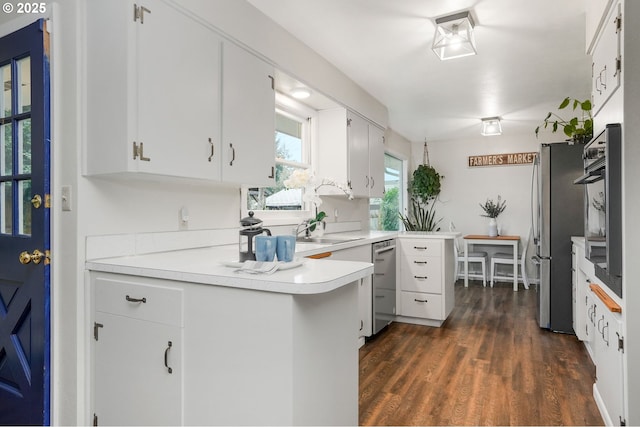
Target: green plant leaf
[{"x": 564, "y": 103}]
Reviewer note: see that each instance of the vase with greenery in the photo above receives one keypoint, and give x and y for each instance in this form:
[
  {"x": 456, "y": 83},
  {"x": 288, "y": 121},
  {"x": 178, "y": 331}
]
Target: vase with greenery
[
  {"x": 492, "y": 210},
  {"x": 579, "y": 128},
  {"x": 423, "y": 190}
]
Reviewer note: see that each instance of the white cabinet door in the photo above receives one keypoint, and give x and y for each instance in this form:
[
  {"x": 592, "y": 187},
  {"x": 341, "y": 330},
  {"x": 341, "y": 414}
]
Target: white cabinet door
[
  {"x": 365, "y": 292},
  {"x": 248, "y": 118},
  {"x": 153, "y": 94},
  {"x": 178, "y": 92},
  {"x": 358, "y": 141},
  {"x": 376, "y": 161},
  {"x": 595, "y": 14},
  {"x": 137, "y": 372},
  {"x": 609, "y": 363},
  {"x": 351, "y": 151},
  {"x": 606, "y": 67}
]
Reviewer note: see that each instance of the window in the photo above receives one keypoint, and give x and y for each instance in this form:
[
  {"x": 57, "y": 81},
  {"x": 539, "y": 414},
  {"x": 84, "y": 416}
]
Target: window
[
  {"x": 293, "y": 147},
  {"x": 383, "y": 212}
]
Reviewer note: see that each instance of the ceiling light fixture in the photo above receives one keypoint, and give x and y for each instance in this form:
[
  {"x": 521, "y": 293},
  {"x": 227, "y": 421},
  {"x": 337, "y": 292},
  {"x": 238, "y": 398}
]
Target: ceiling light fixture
[
  {"x": 300, "y": 93},
  {"x": 454, "y": 36},
  {"x": 491, "y": 126}
]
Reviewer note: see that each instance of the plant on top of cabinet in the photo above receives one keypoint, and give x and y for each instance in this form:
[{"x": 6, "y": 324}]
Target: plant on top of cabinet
[
  {"x": 423, "y": 189},
  {"x": 579, "y": 129}
]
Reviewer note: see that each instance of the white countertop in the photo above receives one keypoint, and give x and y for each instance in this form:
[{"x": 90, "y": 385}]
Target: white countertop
[{"x": 207, "y": 266}]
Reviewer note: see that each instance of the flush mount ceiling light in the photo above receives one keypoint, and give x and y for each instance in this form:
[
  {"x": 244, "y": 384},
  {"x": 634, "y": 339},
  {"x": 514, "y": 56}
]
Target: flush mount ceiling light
[
  {"x": 491, "y": 126},
  {"x": 300, "y": 92},
  {"x": 454, "y": 36}
]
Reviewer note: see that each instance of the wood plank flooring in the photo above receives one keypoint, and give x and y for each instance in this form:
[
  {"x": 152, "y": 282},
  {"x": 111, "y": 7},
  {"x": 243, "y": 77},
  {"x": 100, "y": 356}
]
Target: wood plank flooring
[{"x": 490, "y": 364}]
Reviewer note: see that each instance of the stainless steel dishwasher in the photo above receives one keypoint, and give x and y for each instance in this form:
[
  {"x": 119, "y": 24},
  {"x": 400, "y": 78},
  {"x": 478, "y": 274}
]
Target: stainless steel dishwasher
[{"x": 384, "y": 283}]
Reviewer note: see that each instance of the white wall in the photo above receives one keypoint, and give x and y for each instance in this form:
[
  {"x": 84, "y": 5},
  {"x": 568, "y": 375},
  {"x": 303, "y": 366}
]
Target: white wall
[
  {"x": 464, "y": 187},
  {"x": 101, "y": 206}
]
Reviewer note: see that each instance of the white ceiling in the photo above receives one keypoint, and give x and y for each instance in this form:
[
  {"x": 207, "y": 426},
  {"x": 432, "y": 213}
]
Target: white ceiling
[{"x": 531, "y": 54}]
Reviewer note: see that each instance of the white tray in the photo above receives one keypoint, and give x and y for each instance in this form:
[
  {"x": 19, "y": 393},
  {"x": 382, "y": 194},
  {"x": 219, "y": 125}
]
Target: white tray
[{"x": 297, "y": 262}]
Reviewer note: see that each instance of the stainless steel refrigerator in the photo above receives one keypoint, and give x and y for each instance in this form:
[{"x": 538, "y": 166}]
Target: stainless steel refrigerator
[{"x": 557, "y": 214}]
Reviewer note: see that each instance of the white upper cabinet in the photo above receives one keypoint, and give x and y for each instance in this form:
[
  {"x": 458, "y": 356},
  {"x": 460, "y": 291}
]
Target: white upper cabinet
[
  {"x": 595, "y": 13},
  {"x": 352, "y": 151},
  {"x": 607, "y": 62},
  {"x": 376, "y": 161},
  {"x": 153, "y": 95},
  {"x": 168, "y": 96},
  {"x": 248, "y": 118}
]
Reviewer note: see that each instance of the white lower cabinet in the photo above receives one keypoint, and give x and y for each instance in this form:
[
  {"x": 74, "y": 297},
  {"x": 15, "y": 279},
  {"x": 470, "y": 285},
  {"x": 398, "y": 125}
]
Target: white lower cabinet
[
  {"x": 601, "y": 330},
  {"x": 138, "y": 369},
  {"x": 608, "y": 348},
  {"x": 360, "y": 253},
  {"x": 178, "y": 353},
  {"x": 426, "y": 269}
]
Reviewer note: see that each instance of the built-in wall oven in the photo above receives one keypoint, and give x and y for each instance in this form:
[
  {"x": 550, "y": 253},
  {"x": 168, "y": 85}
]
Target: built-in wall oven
[
  {"x": 602, "y": 182},
  {"x": 383, "y": 255}
]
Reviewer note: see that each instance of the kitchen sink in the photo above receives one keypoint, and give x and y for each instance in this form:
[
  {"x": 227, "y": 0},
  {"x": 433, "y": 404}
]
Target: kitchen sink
[{"x": 325, "y": 240}]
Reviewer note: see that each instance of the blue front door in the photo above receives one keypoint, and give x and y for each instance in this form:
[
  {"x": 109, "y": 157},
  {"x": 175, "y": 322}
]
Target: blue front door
[{"x": 24, "y": 227}]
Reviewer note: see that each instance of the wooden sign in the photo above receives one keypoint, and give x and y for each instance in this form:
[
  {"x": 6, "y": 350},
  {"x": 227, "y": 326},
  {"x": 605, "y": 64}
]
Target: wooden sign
[{"x": 507, "y": 159}]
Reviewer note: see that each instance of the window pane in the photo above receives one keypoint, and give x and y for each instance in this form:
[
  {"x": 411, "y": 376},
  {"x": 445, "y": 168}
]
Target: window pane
[
  {"x": 24, "y": 214},
  {"x": 384, "y": 212},
  {"x": 5, "y": 100},
  {"x": 24, "y": 85},
  {"x": 6, "y": 150},
  {"x": 278, "y": 197},
  {"x": 24, "y": 146},
  {"x": 6, "y": 208},
  {"x": 288, "y": 138}
]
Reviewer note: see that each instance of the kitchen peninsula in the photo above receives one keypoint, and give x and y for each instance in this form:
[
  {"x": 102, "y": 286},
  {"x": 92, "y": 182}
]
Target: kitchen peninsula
[{"x": 198, "y": 343}]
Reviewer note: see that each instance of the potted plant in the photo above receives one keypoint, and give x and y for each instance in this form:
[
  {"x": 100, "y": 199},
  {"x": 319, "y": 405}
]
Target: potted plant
[
  {"x": 492, "y": 210},
  {"x": 423, "y": 189},
  {"x": 579, "y": 129}
]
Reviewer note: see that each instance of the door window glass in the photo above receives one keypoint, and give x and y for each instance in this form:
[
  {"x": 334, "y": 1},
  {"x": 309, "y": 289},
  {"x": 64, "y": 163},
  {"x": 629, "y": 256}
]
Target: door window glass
[
  {"x": 24, "y": 209},
  {"x": 6, "y": 202},
  {"x": 24, "y": 146},
  {"x": 5, "y": 100},
  {"x": 24, "y": 85},
  {"x": 6, "y": 153}
]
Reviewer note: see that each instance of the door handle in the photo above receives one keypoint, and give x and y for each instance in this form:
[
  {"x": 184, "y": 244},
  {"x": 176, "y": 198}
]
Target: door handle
[{"x": 36, "y": 256}]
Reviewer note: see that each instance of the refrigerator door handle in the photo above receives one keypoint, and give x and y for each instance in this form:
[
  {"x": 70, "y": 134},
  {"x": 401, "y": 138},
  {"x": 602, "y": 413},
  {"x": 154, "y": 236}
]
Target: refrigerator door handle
[{"x": 537, "y": 259}]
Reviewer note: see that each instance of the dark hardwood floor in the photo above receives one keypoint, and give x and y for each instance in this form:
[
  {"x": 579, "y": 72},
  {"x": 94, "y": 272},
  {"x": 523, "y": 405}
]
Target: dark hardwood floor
[{"x": 490, "y": 364}]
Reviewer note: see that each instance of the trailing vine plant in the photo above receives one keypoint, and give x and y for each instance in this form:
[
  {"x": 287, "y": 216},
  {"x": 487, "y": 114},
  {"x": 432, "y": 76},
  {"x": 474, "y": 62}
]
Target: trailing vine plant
[{"x": 423, "y": 189}]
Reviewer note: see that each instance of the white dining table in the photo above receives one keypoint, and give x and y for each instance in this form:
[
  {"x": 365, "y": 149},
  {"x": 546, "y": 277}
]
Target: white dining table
[{"x": 479, "y": 239}]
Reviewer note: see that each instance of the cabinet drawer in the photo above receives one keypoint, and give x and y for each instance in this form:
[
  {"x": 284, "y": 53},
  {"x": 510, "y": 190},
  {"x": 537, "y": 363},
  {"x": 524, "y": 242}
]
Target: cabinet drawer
[
  {"x": 415, "y": 247},
  {"x": 418, "y": 304},
  {"x": 422, "y": 274},
  {"x": 139, "y": 301}
]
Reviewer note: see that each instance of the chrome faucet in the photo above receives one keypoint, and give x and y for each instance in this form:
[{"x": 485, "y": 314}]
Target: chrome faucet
[{"x": 306, "y": 225}]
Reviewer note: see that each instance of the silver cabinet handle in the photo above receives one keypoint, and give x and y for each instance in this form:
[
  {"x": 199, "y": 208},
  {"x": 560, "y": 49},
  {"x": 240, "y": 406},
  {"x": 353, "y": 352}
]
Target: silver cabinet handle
[
  {"x": 212, "y": 149},
  {"x": 166, "y": 356},
  {"x": 233, "y": 154},
  {"x": 142, "y": 300}
]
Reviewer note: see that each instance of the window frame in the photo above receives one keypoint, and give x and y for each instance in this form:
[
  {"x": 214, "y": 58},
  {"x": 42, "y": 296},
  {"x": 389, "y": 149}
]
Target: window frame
[{"x": 293, "y": 109}]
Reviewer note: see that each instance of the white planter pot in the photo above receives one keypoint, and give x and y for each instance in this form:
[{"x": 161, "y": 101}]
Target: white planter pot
[{"x": 493, "y": 227}]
